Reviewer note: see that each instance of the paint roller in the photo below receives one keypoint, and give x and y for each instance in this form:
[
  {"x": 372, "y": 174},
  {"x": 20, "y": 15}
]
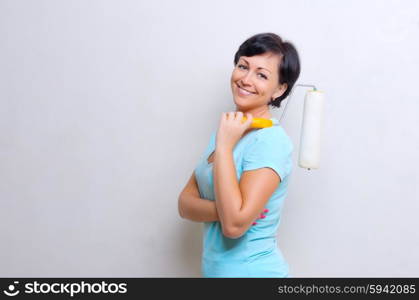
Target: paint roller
[{"x": 311, "y": 130}]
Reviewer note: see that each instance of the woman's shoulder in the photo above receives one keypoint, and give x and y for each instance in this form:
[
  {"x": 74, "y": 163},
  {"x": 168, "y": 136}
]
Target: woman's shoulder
[{"x": 274, "y": 135}]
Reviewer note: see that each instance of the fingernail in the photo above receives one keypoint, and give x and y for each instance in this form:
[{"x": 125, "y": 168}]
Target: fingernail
[
  {"x": 265, "y": 210},
  {"x": 254, "y": 223},
  {"x": 263, "y": 217}
]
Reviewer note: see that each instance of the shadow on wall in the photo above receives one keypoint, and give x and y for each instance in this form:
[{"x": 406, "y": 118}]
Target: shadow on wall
[{"x": 190, "y": 248}]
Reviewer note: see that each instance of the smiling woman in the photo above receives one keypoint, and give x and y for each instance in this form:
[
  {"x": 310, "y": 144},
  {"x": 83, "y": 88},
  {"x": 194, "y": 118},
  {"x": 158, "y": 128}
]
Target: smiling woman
[
  {"x": 250, "y": 168},
  {"x": 255, "y": 82},
  {"x": 275, "y": 65}
]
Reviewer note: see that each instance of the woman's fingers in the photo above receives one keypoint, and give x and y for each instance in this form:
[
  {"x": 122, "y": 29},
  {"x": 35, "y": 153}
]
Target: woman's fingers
[
  {"x": 262, "y": 216},
  {"x": 239, "y": 115}
]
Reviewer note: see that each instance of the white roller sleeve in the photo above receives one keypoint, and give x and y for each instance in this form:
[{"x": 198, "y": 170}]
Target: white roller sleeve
[{"x": 311, "y": 131}]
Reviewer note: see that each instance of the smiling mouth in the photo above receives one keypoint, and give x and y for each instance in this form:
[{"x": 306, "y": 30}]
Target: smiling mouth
[{"x": 244, "y": 92}]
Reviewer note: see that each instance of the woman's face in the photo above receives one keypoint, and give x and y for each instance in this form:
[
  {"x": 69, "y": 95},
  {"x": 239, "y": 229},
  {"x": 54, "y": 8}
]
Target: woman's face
[{"x": 258, "y": 77}]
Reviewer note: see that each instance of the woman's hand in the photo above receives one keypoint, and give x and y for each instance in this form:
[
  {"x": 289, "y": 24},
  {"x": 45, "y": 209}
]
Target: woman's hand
[
  {"x": 262, "y": 216},
  {"x": 231, "y": 129}
]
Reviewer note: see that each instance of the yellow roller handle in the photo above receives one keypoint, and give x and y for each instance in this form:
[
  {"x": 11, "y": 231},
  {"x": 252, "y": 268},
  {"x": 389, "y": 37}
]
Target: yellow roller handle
[{"x": 259, "y": 122}]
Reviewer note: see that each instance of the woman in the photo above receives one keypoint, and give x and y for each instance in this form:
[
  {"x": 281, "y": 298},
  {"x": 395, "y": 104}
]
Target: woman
[{"x": 244, "y": 169}]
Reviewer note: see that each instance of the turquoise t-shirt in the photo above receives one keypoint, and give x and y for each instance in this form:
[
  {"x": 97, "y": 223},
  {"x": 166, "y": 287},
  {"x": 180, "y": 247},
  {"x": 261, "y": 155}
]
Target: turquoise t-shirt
[{"x": 256, "y": 253}]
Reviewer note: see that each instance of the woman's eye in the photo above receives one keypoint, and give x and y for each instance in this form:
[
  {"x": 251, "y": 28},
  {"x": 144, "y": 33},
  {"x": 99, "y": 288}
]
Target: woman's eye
[{"x": 240, "y": 66}]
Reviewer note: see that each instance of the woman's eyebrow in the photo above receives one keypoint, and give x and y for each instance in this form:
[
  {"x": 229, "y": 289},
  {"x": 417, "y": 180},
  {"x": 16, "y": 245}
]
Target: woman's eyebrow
[{"x": 258, "y": 67}]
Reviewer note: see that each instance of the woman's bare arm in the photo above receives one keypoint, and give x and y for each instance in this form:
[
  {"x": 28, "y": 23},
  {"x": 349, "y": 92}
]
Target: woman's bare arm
[{"x": 192, "y": 207}]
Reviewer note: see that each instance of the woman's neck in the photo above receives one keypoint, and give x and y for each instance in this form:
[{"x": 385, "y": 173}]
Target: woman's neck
[{"x": 258, "y": 113}]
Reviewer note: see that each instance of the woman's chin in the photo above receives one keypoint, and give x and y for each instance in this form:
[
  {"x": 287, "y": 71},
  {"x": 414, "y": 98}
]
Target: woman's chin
[
  {"x": 240, "y": 102},
  {"x": 237, "y": 103}
]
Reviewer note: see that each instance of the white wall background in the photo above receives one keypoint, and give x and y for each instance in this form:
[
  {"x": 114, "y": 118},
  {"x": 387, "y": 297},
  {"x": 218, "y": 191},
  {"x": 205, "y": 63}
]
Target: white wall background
[{"x": 106, "y": 107}]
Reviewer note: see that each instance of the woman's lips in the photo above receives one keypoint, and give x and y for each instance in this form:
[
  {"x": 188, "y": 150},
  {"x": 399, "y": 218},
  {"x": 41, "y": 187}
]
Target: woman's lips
[{"x": 243, "y": 92}]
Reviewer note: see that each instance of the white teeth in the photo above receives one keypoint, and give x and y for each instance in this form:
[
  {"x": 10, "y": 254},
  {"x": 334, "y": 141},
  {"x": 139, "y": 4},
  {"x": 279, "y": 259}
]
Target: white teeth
[{"x": 244, "y": 91}]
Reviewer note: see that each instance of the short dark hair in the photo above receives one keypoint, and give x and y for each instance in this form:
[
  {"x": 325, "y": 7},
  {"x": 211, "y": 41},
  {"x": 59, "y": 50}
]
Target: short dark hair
[{"x": 289, "y": 66}]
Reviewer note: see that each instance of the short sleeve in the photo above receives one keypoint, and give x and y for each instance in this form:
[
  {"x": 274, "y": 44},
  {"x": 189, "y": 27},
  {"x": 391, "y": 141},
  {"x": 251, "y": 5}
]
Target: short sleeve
[
  {"x": 210, "y": 145},
  {"x": 269, "y": 150}
]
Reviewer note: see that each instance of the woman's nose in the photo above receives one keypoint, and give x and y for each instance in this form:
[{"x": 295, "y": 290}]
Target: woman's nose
[{"x": 246, "y": 79}]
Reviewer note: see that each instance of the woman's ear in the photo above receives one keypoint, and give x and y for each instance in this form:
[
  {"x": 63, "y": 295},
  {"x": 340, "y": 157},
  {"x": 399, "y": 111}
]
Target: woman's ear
[{"x": 280, "y": 90}]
